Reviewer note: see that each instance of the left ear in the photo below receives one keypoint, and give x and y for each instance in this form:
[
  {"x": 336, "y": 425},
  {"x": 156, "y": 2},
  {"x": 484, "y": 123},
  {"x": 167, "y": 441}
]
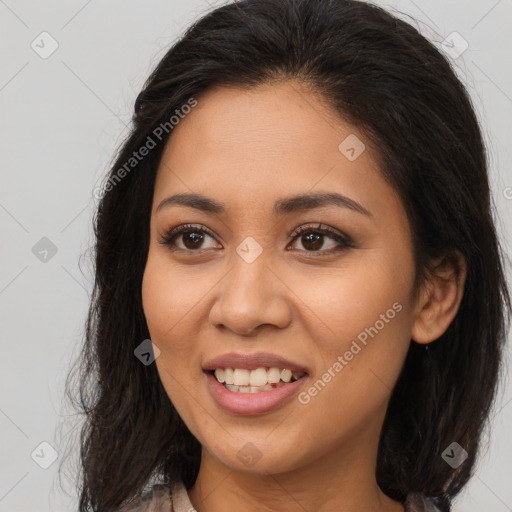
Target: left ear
[{"x": 440, "y": 299}]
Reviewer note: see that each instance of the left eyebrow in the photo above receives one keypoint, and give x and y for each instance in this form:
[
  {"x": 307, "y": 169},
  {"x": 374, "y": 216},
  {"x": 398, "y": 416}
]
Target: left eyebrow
[
  {"x": 283, "y": 206},
  {"x": 309, "y": 201}
]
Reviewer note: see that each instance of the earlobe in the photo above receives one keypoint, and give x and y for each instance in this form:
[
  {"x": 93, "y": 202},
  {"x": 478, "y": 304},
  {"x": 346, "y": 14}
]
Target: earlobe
[{"x": 440, "y": 299}]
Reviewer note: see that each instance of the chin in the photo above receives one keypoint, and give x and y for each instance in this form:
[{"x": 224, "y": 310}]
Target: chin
[{"x": 257, "y": 456}]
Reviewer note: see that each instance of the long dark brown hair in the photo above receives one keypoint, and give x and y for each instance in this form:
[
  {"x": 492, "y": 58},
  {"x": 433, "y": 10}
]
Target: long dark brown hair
[{"x": 378, "y": 73}]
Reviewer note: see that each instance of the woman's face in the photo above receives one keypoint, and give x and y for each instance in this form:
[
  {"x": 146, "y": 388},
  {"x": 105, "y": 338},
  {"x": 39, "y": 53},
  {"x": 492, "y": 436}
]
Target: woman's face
[{"x": 336, "y": 306}]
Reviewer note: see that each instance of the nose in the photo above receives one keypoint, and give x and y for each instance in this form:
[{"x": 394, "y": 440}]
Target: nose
[{"x": 250, "y": 296}]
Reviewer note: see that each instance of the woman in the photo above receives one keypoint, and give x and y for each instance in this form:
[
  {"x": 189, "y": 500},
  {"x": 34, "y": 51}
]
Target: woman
[{"x": 300, "y": 301}]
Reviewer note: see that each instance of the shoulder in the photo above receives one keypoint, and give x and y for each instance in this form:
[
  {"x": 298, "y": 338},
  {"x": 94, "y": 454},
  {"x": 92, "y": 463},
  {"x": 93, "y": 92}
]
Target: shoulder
[
  {"x": 161, "y": 497},
  {"x": 417, "y": 502},
  {"x": 157, "y": 499}
]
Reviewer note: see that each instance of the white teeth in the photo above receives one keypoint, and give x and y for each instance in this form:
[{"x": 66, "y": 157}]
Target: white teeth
[
  {"x": 250, "y": 389},
  {"x": 229, "y": 375},
  {"x": 258, "y": 389},
  {"x": 274, "y": 375},
  {"x": 286, "y": 375},
  {"x": 241, "y": 377},
  {"x": 258, "y": 379}
]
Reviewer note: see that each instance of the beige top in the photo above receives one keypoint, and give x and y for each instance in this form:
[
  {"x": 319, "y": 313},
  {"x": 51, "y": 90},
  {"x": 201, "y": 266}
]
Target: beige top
[{"x": 163, "y": 499}]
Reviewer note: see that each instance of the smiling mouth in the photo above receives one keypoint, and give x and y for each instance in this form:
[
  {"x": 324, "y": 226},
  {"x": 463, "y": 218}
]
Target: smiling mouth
[{"x": 254, "y": 381}]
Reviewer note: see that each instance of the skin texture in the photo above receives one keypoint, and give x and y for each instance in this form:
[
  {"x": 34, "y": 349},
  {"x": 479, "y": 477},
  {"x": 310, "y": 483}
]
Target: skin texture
[{"x": 246, "y": 149}]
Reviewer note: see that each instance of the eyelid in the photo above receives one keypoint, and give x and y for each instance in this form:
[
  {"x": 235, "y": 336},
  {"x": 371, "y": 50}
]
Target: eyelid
[
  {"x": 341, "y": 238},
  {"x": 166, "y": 239},
  {"x": 323, "y": 229}
]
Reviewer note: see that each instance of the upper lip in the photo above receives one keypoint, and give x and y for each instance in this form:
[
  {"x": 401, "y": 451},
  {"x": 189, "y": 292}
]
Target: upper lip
[{"x": 252, "y": 361}]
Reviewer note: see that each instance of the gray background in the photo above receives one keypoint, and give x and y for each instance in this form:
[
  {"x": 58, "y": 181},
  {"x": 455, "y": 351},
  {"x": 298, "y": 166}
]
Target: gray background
[{"x": 62, "y": 119}]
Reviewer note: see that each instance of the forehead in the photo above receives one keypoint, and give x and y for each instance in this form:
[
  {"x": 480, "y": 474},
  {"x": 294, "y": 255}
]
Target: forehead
[
  {"x": 249, "y": 147},
  {"x": 270, "y": 122}
]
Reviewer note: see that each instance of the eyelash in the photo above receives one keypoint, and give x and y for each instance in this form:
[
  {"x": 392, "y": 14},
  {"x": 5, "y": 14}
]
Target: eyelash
[{"x": 341, "y": 238}]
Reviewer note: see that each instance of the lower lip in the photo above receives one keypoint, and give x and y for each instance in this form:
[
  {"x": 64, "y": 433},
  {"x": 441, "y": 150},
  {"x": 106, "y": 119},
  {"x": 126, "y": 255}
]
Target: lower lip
[{"x": 251, "y": 403}]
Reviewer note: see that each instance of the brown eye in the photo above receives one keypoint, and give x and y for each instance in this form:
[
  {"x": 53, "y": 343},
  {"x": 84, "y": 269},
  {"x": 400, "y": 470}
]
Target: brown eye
[
  {"x": 322, "y": 240},
  {"x": 313, "y": 239},
  {"x": 192, "y": 238}
]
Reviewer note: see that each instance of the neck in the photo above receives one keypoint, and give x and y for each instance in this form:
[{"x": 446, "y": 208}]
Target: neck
[{"x": 343, "y": 479}]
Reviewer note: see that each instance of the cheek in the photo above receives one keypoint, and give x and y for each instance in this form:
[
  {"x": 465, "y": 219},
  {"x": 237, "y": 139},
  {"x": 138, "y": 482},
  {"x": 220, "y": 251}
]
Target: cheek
[
  {"x": 361, "y": 315},
  {"x": 344, "y": 302},
  {"x": 167, "y": 298},
  {"x": 166, "y": 302},
  {"x": 168, "y": 305}
]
